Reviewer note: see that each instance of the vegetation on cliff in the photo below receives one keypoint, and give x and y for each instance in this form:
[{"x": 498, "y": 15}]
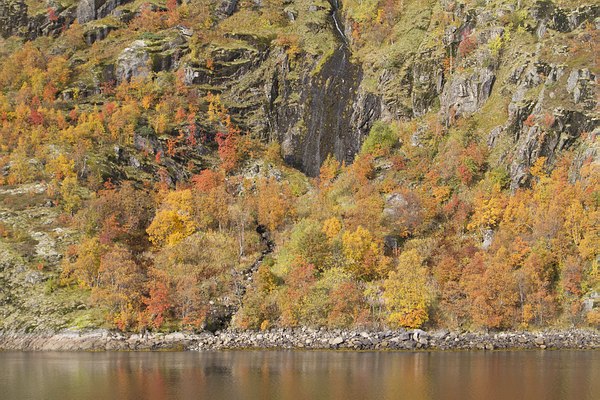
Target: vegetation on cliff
[{"x": 198, "y": 164}]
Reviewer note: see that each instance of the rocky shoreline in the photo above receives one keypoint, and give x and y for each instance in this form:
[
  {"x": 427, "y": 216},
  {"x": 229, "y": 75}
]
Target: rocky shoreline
[{"x": 299, "y": 338}]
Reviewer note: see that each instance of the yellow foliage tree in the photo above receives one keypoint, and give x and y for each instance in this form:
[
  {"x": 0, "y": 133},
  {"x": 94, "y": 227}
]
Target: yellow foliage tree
[
  {"x": 364, "y": 255},
  {"x": 174, "y": 221},
  {"x": 59, "y": 72},
  {"x": 21, "y": 169},
  {"x": 71, "y": 194},
  {"x": 119, "y": 286},
  {"x": 538, "y": 169},
  {"x": 332, "y": 227},
  {"x": 488, "y": 210},
  {"x": 407, "y": 293},
  {"x": 328, "y": 172},
  {"x": 60, "y": 167}
]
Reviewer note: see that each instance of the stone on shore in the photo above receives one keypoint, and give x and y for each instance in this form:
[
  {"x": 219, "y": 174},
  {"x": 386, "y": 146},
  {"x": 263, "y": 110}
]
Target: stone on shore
[{"x": 298, "y": 338}]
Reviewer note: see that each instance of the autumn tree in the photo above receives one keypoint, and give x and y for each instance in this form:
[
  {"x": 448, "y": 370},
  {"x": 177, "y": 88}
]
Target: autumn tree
[
  {"x": 328, "y": 172},
  {"x": 273, "y": 203},
  {"x": 492, "y": 290},
  {"x": 158, "y": 303},
  {"x": 448, "y": 270},
  {"x": 299, "y": 283},
  {"x": 211, "y": 200},
  {"x": 118, "y": 214},
  {"x": 363, "y": 254},
  {"x": 346, "y": 304},
  {"x": 193, "y": 271},
  {"x": 407, "y": 293},
  {"x": 538, "y": 278},
  {"x": 71, "y": 194},
  {"x": 309, "y": 244},
  {"x": 174, "y": 220},
  {"x": 119, "y": 286},
  {"x": 84, "y": 264}
]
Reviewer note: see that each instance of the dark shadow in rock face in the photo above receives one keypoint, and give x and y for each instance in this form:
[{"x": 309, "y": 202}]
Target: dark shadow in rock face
[{"x": 329, "y": 105}]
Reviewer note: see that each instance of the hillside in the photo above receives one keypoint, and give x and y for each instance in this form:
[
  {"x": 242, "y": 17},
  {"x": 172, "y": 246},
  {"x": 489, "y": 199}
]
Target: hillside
[{"x": 205, "y": 164}]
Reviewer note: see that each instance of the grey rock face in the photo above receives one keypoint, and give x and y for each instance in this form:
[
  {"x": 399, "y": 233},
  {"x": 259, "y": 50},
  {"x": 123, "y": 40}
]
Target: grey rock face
[
  {"x": 134, "y": 62},
  {"x": 428, "y": 81},
  {"x": 89, "y": 10},
  {"x": 581, "y": 84},
  {"x": 548, "y": 15},
  {"x": 366, "y": 109},
  {"x": 13, "y": 15},
  {"x": 86, "y": 11},
  {"x": 311, "y": 115},
  {"x": 537, "y": 126},
  {"x": 96, "y": 34},
  {"x": 312, "y": 107},
  {"x": 464, "y": 95},
  {"x": 326, "y": 112},
  {"x": 15, "y": 20},
  {"x": 568, "y": 125},
  {"x": 226, "y": 8}
]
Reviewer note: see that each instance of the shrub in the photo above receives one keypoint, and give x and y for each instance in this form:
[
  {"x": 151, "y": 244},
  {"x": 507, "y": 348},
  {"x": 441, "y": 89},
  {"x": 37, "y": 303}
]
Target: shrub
[{"x": 381, "y": 138}]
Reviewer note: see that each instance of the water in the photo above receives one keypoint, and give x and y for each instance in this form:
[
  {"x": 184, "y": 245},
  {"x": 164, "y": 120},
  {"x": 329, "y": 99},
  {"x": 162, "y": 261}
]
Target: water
[{"x": 301, "y": 375}]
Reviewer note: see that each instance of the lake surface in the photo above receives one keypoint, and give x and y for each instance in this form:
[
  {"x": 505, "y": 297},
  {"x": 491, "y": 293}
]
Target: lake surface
[{"x": 301, "y": 375}]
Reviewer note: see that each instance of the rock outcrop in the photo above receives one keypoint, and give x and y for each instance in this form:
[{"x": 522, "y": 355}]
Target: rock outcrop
[
  {"x": 13, "y": 16},
  {"x": 581, "y": 84},
  {"x": 549, "y": 16},
  {"x": 133, "y": 62},
  {"x": 538, "y": 127},
  {"x": 17, "y": 19},
  {"x": 142, "y": 57},
  {"x": 464, "y": 95},
  {"x": 226, "y": 8},
  {"x": 89, "y": 10},
  {"x": 313, "y": 106}
]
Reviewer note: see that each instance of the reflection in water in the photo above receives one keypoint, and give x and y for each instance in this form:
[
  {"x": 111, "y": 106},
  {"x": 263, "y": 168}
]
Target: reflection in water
[{"x": 301, "y": 375}]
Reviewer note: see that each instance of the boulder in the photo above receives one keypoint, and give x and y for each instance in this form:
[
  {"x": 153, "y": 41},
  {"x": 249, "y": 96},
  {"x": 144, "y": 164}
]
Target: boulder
[{"x": 539, "y": 340}]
